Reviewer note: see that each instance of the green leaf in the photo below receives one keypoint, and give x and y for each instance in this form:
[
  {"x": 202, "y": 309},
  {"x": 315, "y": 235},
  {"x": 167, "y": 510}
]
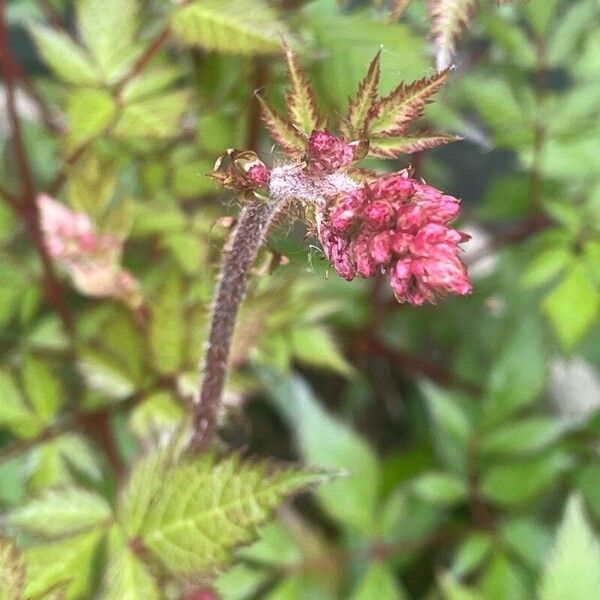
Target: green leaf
[
  {"x": 390, "y": 115},
  {"x": 281, "y": 130},
  {"x": 90, "y": 111},
  {"x": 316, "y": 347},
  {"x": 515, "y": 483},
  {"x": 43, "y": 388},
  {"x": 572, "y": 569},
  {"x": 157, "y": 117},
  {"x": 108, "y": 28},
  {"x": 378, "y": 582},
  {"x": 300, "y": 98},
  {"x": 471, "y": 553},
  {"x": 569, "y": 29},
  {"x": 391, "y": 147},
  {"x": 447, "y": 411},
  {"x": 61, "y": 512},
  {"x": 64, "y": 57},
  {"x": 145, "y": 480},
  {"x": 519, "y": 375},
  {"x": 167, "y": 326},
  {"x": 204, "y": 508},
  {"x": 233, "y": 26},
  {"x": 73, "y": 571},
  {"x": 523, "y": 437},
  {"x": 572, "y": 306},
  {"x": 502, "y": 579},
  {"x": 452, "y": 589},
  {"x": 545, "y": 266},
  {"x": 527, "y": 539},
  {"x": 327, "y": 442},
  {"x": 359, "y": 108},
  {"x": 127, "y": 578},
  {"x": 12, "y": 572},
  {"x": 443, "y": 489},
  {"x": 14, "y": 413},
  {"x": 150, "y": 82},
  {"x": 105, "y": 374}
]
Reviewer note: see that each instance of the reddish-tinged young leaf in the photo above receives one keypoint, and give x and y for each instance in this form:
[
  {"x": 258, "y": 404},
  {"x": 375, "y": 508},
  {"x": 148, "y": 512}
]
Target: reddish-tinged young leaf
[
  {"x": 281, "y": 130},
  {"x": 390, "y": 115},
  {"x": 391, "y": 147},
  {"x": 448, "y": 19},
  {"x": 359, "y": 108},
  {"x": 397, "y": 8},
  {"x": 300, "y": 98}
]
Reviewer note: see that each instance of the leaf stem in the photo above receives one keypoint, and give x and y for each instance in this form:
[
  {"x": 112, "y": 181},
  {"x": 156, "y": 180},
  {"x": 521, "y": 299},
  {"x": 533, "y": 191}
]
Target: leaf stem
[{"x": 255, "y": 221}]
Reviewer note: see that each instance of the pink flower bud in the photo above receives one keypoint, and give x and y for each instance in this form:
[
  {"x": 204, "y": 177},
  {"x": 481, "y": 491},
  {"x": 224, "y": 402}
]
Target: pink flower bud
[
  {"x": 91, "y": 258},
  {"x": 327, "y": 153}
]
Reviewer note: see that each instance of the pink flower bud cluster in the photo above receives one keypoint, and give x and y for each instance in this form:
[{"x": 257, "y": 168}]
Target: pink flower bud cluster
[
  {"x": 327, "y": 153},
  {"x": 397, "y": 225},
  {"x": 91, "y": 258}
]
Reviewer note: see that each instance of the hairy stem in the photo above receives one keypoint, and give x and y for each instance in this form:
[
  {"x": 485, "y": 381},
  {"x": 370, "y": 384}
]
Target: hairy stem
[{"x": 255, "y": 221}]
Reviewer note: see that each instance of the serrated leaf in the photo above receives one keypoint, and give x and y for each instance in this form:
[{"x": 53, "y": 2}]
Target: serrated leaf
[
  {"x": 203, "y": 509},
  {"x": 89, "y": 111},
  {"x": 281, "y": 130},
  {"x": 391, "y": 147},
  {"x": 359, "y": 108},
  {"x": 64, "y": 56},
  {"x": 155, "y": 117},
  {"x": 14, "y": 413},
  {"x": 145, "y": 479},
  {"x": 390, "y": 115},
  {"x": 108, "y": 28},
  {"x": 300, "y": 97},
  {"x": 572, "y": 569},
  {"x": 448, "y": 20},
  {"x": 167, "y": 326},
  {"x": 452, "y": 589},
  {"x": 127, "y": 578},
  {"x": 233, "y": 26},
  {"x": 572, "y": 307},
  {"x": 73, "y": 570},
  {"x": 60, "y": 512},
  {"x": 12, "y": 572},
  {"x": 43, "y": 388},
  {"x": 326, "y": 441}
]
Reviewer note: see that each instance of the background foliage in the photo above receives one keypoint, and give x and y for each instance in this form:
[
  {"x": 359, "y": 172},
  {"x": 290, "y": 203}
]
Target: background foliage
[{"x": 462, "y": 439}]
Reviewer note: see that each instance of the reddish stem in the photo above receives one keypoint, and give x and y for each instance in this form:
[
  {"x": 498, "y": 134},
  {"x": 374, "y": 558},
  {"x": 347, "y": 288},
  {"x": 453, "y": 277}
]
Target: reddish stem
[{"x": 27, "y": 206}]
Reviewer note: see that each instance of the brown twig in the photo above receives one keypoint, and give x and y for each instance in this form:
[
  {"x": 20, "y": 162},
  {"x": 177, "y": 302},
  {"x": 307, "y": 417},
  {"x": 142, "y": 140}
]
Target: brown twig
[
  {"x": 254, "y": 223},
  {"x": 417, "y": 365},
  {"x": 27, "y": 206}
]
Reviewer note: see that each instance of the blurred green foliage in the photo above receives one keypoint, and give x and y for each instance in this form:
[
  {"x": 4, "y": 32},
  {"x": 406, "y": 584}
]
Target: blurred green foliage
[{"x": 462, "y": 439}]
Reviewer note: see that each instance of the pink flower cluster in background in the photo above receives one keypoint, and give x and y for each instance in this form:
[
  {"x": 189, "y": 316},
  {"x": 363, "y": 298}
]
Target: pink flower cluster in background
[
  {"x": 399, "y": 226},
  {"x": 91, "y": 258}
]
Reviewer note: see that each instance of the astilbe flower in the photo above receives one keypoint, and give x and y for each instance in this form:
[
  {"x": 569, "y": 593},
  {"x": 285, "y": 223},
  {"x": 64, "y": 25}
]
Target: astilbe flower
[
  {"x": 393, "y": 224},
  {"x": 91, "y": 258},
  {"x": 399, "y": 226}
]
